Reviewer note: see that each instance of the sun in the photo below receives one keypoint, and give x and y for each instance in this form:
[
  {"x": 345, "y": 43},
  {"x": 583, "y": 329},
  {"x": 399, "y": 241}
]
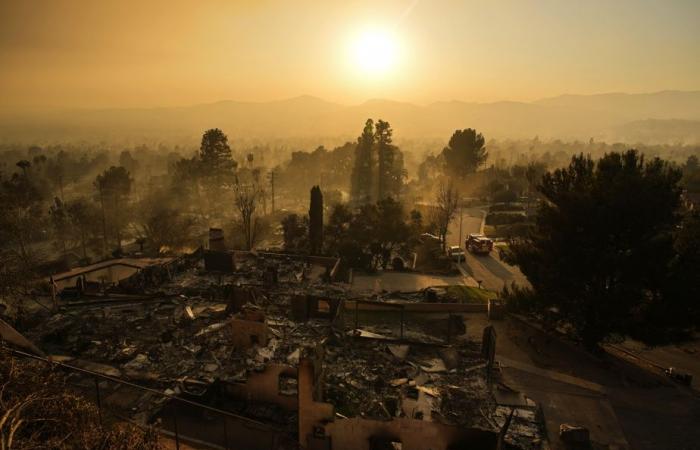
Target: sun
[{"x": 374, "y": 52}]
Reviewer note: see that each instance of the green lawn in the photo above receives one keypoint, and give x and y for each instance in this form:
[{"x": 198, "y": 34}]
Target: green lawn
[{"x": 468, "y": 294}]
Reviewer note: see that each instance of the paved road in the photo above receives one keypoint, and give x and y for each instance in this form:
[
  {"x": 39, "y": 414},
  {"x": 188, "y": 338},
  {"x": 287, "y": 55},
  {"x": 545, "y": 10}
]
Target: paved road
[
  {"x": 637, "y": 406},
  {"x": 494, "y": 273},
  {"x": 490, "y": 269},
  {"x": 546, "y": 373},
  {"x": 683, "y": 358}
]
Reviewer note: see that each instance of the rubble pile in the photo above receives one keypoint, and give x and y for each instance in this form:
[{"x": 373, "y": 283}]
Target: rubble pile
[
  {"x": 158, "y": 341},
  {"x": 290, "y": 338},
  {"x": 275, "y": 274},
  {"x": 525, "y": 430},
  {"x": 205, "y": 333},
  {"x": 381, "y": 381},
  {"x": 183, "y": 331},
  {"x": 183, "y": 337},
  {"x": 285, "y": 268},
  {"x": 448, "y": 384}
]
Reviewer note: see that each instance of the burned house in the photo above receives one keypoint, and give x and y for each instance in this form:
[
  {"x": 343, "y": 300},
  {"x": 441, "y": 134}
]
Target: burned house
[{"x": 284, "y": 358}]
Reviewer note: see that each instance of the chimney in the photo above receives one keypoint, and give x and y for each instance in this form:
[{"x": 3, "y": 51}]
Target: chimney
[{"x": 216, "y": 239}]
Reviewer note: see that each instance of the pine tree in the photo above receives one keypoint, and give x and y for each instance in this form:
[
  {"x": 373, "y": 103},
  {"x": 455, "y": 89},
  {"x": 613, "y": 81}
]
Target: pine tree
[
  {"x": 389, "y": 163},
  {"x": 602, "y": 249},
  {"x": 385, "y": 157},
  {"x": 362, "y": 181},
  {"x": 378, "y": 172},
  {"x": 215, "y": 152},
  {"x": 465, "y": 152}
]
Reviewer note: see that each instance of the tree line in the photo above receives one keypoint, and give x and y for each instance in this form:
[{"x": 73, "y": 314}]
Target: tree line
[{"x": 614, "y": 251}]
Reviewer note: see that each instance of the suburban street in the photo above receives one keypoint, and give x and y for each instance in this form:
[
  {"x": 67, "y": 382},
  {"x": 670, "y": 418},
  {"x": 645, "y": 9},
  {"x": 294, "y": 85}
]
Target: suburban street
[
  {"x": 493, "y": 273},
  {"x": 489, "y": 269}
]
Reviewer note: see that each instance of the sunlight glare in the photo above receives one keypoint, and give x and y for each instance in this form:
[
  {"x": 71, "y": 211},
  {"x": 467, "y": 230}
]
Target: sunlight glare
[{"x": 374, "y": 52}]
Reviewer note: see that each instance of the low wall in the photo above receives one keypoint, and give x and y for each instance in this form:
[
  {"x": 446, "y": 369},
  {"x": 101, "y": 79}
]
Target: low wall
[
  {"x": 325, "y": 261},
  {"x": 416, "y": 307}
]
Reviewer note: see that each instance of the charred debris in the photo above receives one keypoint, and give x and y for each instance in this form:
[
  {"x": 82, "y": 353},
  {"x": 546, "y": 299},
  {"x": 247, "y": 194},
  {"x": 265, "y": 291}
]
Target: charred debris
[{"x": 280, "y": 340}]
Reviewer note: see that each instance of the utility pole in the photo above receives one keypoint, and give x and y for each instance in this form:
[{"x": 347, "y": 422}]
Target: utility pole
[
  {"x": 104, "y": 223},
  {"x": 460, "y": 226},
  {"x": 272, "y": 189},
  {"x": 60, "y": 185},
  {"x": 459, "y": 242},
  {"x": 53, "y": 293}
]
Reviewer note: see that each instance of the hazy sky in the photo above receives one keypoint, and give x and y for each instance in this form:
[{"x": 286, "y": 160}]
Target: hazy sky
[{"x": 106, "y": 53}]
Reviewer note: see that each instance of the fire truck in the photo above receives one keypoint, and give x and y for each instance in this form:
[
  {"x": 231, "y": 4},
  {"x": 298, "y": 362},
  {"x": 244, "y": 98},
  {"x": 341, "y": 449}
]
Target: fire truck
[{"x": 479, "y": 244}]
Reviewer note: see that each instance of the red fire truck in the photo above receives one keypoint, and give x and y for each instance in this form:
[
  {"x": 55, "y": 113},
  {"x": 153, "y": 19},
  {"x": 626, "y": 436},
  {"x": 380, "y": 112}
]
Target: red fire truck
[{"x": 479, "y": 244}]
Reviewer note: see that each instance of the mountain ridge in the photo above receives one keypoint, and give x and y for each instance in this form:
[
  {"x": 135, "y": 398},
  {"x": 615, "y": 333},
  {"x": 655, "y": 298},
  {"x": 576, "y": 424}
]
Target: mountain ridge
[{"x": 569, "y": 116}]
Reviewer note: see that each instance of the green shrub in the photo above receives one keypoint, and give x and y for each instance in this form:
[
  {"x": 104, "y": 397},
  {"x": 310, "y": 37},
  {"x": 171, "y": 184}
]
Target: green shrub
[{"x": 502, "y": 218}]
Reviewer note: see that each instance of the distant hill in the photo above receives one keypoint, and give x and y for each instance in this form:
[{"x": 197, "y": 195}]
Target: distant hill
[
  {"x": 657, "y": 117},
  {"x": 657, "y": 105},
  {"x": 669, "y": 131}
]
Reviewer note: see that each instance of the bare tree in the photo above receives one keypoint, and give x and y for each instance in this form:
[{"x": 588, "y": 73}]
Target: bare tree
[
  {"x": 17, "y": 280},
  {"x": 21, "y": 211},
  {"x": 447, "y": 201},
  {"x": 163, "y": 228},
  {"x": 114, "y": 186},
  {"x": 247, "y": 197}
]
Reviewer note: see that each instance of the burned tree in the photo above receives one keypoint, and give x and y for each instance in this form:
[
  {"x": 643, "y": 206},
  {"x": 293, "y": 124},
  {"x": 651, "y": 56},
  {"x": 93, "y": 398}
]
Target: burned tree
[
  {"x": 447, "y": 201},
  {"x": 84, "y": 220},
  {"x": 246, "y": 201},
  {"x": 114, "y": 186},
  {"x": 20, "y": 214},
  {"x": 316, "y": 221},
  {"x": 60, "y": 222},
  {"x": 295, "y": 231}
]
